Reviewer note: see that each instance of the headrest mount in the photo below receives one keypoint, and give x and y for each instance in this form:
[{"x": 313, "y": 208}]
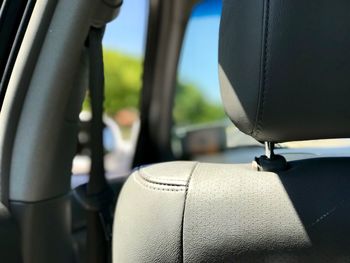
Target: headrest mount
[{"x": 270, "y": 162}]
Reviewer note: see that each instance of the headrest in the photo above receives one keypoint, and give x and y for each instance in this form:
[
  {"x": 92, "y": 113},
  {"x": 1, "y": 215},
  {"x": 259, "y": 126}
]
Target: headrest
[{"x": 285, "y": 68}]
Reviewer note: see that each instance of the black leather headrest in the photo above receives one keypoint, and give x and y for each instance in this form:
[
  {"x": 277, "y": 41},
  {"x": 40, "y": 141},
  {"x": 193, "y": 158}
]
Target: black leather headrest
[{"x": 285, "y": 68}]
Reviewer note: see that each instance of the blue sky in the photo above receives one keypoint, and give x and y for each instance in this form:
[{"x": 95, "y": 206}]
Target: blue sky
[{"x": 198, "y": 63}]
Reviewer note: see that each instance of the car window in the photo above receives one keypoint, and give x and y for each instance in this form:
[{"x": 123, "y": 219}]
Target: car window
[
  {"x": 123, "y": 53},
  {"x": 200, "y": 123},
  {"x": 197, "y": 95}
]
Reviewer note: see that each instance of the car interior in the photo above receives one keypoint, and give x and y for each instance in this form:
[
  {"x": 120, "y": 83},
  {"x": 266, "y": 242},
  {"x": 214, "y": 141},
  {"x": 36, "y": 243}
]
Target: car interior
[{"x": 84, "y": 178}]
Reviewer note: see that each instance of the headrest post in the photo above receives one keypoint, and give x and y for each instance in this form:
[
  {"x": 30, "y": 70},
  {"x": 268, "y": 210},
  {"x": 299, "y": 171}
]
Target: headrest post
[{"x": 269, "y": 150}]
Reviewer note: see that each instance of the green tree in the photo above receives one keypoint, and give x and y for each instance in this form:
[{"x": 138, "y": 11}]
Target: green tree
[
  {"x": 122, "y": 81},
  {"x": 192, "y": 107},
  {"x": 122, "y": 90}
]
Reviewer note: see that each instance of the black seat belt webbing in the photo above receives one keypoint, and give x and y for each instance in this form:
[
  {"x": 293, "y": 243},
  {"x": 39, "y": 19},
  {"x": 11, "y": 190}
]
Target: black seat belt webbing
[
  {"x": 96, "y": 196},
  {"x": 96, "y": 84}
]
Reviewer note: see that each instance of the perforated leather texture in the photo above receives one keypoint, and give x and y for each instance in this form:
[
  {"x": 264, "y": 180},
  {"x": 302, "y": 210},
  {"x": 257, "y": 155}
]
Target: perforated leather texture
[{"x": 196, "y": 212}]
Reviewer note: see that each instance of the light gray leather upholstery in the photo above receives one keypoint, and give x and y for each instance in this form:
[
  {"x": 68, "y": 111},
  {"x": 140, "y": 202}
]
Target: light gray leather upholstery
[
  {"x": 149, "y": 225},
  {"x": 196, "y": 212},
  {"x": 285, "y": 68}
]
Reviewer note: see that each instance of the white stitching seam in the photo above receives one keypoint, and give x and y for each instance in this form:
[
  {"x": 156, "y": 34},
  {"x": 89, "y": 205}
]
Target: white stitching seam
[
  {"x": 183, "y": 213},
  {"x": 157, "y": 186}
]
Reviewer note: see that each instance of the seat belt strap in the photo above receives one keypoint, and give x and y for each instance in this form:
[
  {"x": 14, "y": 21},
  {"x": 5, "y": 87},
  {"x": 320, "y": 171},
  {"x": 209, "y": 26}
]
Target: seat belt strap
[{"x": 96, "y": 196}]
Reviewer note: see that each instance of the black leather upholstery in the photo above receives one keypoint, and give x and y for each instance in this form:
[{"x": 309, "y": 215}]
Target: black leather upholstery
[{"x": 285, "y": 68}]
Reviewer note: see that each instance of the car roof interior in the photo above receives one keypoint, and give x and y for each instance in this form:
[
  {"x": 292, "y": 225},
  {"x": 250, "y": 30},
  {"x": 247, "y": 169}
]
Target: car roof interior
[{"x": 284, "y": 76}]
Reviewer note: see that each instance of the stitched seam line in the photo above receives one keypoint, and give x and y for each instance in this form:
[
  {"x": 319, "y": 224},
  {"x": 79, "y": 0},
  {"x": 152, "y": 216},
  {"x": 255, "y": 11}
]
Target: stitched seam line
[
  {"x": 262, "y": 95},
  {"x": 154, "y": 179},
  {"x": 183, "y": 213},
  {"x": 148, "y": 180},
  {"x": 158, "y": 186},
  {"x": 168, "y": 179}
]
